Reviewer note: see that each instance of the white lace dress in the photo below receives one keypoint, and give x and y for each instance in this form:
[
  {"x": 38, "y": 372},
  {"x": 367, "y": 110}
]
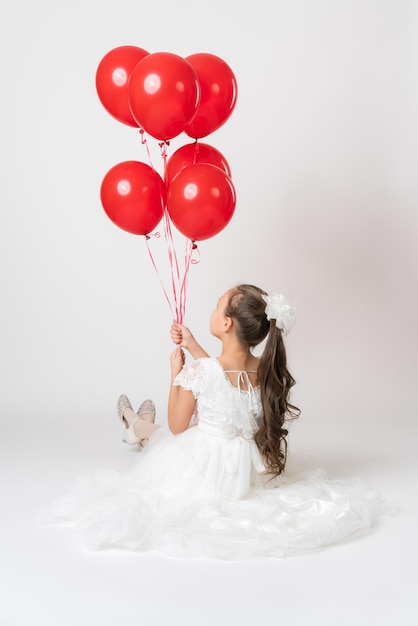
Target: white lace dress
[{"x": 204, "y": 493}]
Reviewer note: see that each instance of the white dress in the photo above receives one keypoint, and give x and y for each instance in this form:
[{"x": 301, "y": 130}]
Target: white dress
[{"x": 204, "y": 492}]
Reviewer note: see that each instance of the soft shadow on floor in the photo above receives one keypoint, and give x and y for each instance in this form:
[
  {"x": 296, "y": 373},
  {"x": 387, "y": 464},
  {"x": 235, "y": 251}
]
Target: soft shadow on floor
[{"x": 48, "y": 578}]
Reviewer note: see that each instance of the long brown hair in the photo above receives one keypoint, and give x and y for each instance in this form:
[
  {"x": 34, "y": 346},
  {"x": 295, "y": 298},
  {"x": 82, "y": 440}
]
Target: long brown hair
[{"x": 247, "y": 308}]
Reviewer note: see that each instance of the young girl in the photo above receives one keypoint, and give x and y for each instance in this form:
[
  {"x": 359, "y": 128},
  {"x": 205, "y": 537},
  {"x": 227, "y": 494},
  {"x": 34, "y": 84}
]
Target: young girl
[{"x": 215, "y": 483}]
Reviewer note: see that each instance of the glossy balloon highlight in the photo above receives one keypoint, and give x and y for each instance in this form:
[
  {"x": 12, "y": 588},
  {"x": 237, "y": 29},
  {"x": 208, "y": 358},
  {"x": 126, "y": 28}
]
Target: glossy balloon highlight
[
  {"x": 133, "y": 197},
  {"x": 164, "y": 94},
  {"x": 201, "y": 201},
  {"x": 112, "y": 78}
]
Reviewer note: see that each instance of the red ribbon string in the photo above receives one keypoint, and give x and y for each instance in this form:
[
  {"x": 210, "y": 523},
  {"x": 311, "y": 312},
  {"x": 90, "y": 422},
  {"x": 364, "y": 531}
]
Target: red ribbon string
[
  {"x": 179, "y": 282},
  {"x": 164, "y": 147},
  {"x": 145, "y": 143},
  {"x": 195, "y": 249},
  {"x": 196, "y": 152},
  {"x": 173, "y": 262},
  {"x": 147, "y": 237},
  {"x": 183, "y": 288}
]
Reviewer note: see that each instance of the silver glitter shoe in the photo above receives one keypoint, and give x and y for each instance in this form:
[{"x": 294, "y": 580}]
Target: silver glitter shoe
[
  {"x": 147, "y": 407},
  {"x": 128, "y": 433},
  {"x": 123, "y": 403},
  {"x": 147, "y": 428}
]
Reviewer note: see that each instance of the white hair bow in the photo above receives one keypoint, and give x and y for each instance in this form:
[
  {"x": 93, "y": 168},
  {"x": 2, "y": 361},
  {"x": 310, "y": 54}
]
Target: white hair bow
[{"x": 279, "y": 309}]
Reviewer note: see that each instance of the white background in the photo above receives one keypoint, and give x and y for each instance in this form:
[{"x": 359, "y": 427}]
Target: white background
[{"x": 323, "y": 151}]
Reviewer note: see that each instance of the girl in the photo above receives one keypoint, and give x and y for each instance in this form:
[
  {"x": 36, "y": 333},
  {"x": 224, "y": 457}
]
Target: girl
[{"x": 216, "y": 484}]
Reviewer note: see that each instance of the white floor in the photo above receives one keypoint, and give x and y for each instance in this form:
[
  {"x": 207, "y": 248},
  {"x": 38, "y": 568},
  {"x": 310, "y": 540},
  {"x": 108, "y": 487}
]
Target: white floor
[{"x": 48, "y": 578}]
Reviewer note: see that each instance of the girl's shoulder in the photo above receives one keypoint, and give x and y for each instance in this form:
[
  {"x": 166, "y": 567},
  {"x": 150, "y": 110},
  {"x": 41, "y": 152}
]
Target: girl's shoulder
[
  {"x": 194, "y": 376},
  {"x": 203, "y": 363},
  {"x": 205, "y": 366}
]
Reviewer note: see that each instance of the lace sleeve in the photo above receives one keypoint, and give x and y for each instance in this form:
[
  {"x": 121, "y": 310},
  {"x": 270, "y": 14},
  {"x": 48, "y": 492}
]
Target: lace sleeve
[{"x": 193, "y": 377}]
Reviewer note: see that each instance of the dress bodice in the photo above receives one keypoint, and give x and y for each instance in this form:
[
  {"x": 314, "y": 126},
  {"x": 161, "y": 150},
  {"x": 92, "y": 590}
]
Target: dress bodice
[{"x": 221, "y": 408}]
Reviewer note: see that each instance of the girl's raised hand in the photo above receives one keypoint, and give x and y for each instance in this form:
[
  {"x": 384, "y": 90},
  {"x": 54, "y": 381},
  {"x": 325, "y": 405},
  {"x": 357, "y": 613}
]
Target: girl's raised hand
[
  {"x": 181, "y": 335},
  {"x": 183, "y": 338}
]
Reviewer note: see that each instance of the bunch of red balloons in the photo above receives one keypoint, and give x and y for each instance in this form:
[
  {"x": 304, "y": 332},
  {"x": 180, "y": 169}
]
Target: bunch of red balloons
[{"x": 164, "y": 95}]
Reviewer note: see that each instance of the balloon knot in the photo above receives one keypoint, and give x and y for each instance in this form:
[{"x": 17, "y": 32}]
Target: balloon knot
[
  {"x": 163, "y": 147},
  {"x": 149, "y": 235}
]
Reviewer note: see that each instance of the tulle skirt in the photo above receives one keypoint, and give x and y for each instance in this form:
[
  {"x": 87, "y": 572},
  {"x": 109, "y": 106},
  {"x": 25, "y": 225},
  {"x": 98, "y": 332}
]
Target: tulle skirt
[{"x": 199, "y": 495}]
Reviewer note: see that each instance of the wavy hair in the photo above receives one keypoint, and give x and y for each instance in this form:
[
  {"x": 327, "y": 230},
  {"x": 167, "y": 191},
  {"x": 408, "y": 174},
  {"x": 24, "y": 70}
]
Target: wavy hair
[{"x": 247, "y": 308}]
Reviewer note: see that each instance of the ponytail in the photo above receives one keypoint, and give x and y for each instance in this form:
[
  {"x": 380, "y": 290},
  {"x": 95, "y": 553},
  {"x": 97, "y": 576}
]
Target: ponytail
[
  {"x": 275, "y": 384},
  {"x": 247, "y": 306}
]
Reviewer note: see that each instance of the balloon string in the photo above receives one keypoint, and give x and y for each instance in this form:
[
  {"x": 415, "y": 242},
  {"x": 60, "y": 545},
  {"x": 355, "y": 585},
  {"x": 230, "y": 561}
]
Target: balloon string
[
  {"x": 147, "y": 237},
  {"x": 195, "y": 249},
  {"x": 178, "y": 284},
  {"x": 196, "y": 152},
  {"x": 172, "y": 259},
  {"x": 190, "y": 248},
  {"x": 145, "y": 143},
  {"x": 163, "y": 147},
  {"x": 183, "y": 289},
  {"x": 172, "y": 254}
]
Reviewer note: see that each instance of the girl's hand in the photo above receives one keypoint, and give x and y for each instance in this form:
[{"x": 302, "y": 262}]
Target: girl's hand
[
  {"x": 181, "y": 335},
  {"x": 177, "y": 360}
]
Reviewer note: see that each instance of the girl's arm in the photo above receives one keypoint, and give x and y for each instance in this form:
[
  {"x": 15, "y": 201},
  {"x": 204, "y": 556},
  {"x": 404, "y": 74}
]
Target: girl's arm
[
  {"x": 182, "y": 336},
  {"x": 181, "y": 403}
]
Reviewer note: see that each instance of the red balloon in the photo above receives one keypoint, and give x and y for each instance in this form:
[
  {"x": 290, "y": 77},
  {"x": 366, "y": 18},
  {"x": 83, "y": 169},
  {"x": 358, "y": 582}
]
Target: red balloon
[
  {"x": 195, "y": 153},
  {"x": 112, "y": 78},
  {"x": 133, "y": 196},
  {"x": 164, "y": 93},
  {"x": 218, "y": 97},
  {"x": 201, "y": 201}
]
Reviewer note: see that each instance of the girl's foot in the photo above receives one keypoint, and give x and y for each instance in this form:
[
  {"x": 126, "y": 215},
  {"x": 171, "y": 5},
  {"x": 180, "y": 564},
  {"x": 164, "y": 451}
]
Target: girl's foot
[
  {"x": 123, "y": 403},
  {"x": 138, "y": 427},
  {"x": 147, "y": 411}
]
